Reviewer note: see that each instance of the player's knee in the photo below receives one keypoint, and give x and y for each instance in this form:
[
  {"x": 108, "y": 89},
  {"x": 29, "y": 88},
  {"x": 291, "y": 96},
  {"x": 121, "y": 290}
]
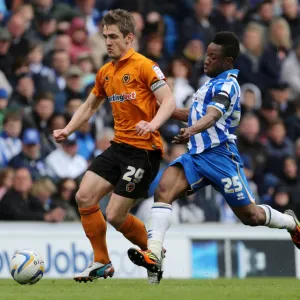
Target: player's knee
[
  {"x": 161, "y": 193},
  {"x": 251, "y": 218},
  {"x": 82, "y": 199},
  {"x": 113, "y": 218}
]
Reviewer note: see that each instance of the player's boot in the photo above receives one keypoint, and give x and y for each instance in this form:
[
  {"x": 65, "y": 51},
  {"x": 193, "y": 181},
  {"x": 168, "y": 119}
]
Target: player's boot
[
  {"x": 146, "y": 259},
  {"x": 95, "y": 270},
  {"x": 295, "y": 234},
  {"x": 155, "y": 278}
]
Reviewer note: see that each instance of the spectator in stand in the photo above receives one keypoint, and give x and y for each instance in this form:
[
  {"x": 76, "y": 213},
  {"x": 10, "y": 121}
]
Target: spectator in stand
[
  {"x": 281, "y": 94},
  {"x": 62, "y": 42},
  {"x": 85, "y": 141},
  {"x": 290, "y": 178},
  {"x": 65, "y": 162},
  {"x": 290, "y": 72},
  {"x": 183, "y": 91},
  {"x": 90, "y": 13},
  {"x": 39, "y": 119},
  {"x": 60, "y": 11},
  {"x": 248, "y": 61},
  {"x": 18, "y": 204},
  {"x": 10, "y": 143},
  {"x": 26, "y": 11},
  {"x": 248, "y": 143},
  {"x": 3, "y": 106},
  {"x": 30, "y": 157},
  {"x": 290, "y": 12},
  {"x": 97, "y": 45},
  {"x": 275, "y": 52},
  {"x": 74, "y": 83},
  {"x": 86, "y": 65},
  {"x": 225, "y": 17},
  {"x": 154, "y": 50},
  {"x": 293, "y": 123},
  {"x": 103, "y": 140},
  {"x": 282, "y": 200},
  {"x": 22, "y": 97},
  {"x": 43, "y": 189},
  {"x": 71, "y": 106},
  {"x": 65, "y": 198},
  {"x": 6, "y": 58},
  {"x": 268, "y": 113},
  {"x": 250, "y": 98},
  {"x": 199, "y": 23},
  {"x": 20, "y": 44},
  {"x": 6, "y": 180},
  {"x": 193, "y": 52},
  {"x": 278, "y": 146},
  {"x": 264, "y": 14},
  {"x": 79, "y": 38},
  {"x": 61, "y": 64},
  {"x": 44, "y": 77},
  {"x": 45, "y": 32}
]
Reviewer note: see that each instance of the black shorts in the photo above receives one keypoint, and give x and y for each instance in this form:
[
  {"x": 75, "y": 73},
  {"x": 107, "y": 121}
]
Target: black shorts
[{"x": 129, "y": 169}]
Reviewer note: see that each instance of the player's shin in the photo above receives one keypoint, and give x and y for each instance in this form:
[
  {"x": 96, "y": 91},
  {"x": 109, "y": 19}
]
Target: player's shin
[
  {"x": 159, "y": 223},
  {"x": 134, "y": 230},
  {"x": 94, "y": 226},
  {"x": 276, "y": 219}
]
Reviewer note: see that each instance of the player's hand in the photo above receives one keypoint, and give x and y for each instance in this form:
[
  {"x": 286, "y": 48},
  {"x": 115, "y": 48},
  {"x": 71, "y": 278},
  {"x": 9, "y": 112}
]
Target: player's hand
[
  {"x": 183, "y": 137},
  {"x": 144, "y": 127},
  {"x": 60, "y": 135}
]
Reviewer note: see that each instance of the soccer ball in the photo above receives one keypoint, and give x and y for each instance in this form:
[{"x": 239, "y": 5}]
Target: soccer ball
[{"x": 27, "y": 267}]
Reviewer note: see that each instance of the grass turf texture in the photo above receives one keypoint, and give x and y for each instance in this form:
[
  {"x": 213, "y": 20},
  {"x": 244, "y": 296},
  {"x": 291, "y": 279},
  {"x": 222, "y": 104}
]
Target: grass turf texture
[{"x": 114, "y": 289}]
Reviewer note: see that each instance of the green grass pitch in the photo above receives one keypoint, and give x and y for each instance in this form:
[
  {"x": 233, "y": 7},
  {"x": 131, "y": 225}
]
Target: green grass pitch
[{"x": 115, "y": 289}]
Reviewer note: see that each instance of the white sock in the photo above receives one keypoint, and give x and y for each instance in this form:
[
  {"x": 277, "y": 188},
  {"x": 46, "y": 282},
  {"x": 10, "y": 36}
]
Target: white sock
[
  {"x": 276, "y": 219},
  {"x": 158, "y": 224}
]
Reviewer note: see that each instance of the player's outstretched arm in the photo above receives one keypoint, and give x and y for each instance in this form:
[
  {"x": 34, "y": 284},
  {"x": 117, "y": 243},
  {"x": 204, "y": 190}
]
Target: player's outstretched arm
[
  {"x": 81, "y": 116},
  {"x": 167, "y": 106},
  {"x": 181, "y": 114},
  {"x": 211, "y": 117}
]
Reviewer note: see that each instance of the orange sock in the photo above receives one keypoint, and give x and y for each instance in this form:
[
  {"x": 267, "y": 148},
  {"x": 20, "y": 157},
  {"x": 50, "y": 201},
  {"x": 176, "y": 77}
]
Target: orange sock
[
  {"x": 94, "y": 226},
  {"x": 134, "y": 230}
]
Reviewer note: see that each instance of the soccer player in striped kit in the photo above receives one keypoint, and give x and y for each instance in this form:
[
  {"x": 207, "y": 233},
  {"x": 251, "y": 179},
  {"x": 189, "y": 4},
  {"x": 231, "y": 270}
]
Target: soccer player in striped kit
[{"x": 213, "y": 157}]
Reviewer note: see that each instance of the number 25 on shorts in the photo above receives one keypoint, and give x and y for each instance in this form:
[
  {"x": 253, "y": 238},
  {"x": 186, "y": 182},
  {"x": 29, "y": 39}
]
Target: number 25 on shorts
[
  {"x": 138, "y": 173},
  {"x": 232, "y": 185}
]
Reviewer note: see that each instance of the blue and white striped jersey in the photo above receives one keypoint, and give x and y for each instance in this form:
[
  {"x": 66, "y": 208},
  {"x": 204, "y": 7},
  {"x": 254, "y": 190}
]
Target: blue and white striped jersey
[{"x": 224, "y": 84}]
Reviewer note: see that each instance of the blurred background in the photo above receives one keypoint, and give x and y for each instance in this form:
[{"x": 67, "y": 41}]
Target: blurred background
[{"x": 50, "y": 52}]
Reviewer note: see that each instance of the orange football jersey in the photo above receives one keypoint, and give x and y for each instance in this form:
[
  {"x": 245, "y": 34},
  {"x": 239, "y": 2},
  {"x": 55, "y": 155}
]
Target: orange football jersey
[{"x": 128, "y": 86}]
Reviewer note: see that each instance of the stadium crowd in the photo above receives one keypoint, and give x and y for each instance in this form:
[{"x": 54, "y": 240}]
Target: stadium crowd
[{"x": 50, "y": 52}]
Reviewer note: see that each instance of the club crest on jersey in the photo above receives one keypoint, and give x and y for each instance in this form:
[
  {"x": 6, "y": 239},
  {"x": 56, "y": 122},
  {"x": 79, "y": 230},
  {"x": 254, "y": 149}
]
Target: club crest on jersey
[
  {"x": 130, "y": 187},
  {"x": 126, "y": 78}
]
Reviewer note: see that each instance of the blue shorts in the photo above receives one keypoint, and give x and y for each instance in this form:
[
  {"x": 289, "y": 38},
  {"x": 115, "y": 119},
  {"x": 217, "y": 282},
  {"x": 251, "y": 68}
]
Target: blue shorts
[{"x": 220, "y": 167}]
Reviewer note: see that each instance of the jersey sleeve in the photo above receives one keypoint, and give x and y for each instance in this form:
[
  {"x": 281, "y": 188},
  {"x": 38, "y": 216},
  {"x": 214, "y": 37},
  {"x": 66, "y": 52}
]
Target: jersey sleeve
[
  {"x": 224, "y": 89},
  {"x": 152, "y": 75},
  {"x": 98, "y": 89}
]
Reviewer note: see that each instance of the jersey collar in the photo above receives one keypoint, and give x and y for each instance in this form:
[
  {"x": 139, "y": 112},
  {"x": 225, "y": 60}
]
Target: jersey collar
[
  {"x": 127, "y": 55},
  {"x": 227, "y": 74}
]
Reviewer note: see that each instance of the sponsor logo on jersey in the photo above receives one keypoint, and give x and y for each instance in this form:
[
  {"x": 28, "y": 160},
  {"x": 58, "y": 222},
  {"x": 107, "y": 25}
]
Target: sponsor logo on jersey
[
  {"x": 123, "y": 97},
  {"x": 126, "y": 78},
  {"x": 158, "y": 72}
]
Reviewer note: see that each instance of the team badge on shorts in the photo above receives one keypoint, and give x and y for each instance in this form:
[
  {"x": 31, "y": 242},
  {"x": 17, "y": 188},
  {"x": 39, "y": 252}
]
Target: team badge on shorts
[
  {"x": 126, "y": 78},
  {"x": 130, "y": 187}
]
